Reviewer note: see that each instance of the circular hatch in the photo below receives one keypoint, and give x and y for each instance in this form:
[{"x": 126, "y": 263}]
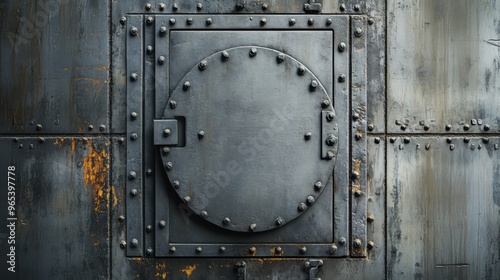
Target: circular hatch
[{"x": 257, "y": 139}]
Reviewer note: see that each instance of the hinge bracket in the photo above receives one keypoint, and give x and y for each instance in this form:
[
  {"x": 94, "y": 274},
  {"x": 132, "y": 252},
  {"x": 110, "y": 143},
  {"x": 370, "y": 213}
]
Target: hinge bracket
[
  {"x": 314, "y": 6},
  {"x": 313, "y": 265}
]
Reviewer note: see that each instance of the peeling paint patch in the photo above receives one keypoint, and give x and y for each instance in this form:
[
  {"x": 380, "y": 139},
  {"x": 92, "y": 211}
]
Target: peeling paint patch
[{"x": 189, "y": 270}]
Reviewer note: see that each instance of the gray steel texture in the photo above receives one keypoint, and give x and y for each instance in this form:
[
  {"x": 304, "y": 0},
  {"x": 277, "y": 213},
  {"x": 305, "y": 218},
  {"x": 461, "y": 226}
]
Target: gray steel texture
[{"x": 63, "y": 94}]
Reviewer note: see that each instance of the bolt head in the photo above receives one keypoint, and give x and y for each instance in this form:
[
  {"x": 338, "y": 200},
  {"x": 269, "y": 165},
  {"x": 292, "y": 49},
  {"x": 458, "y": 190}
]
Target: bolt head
[
  {"x": 172, "y": 104},
  {"x": 169, "y": 165},
  {"x": 253, "y": 51},
  {"x": 342, "y": 241},
  {"x": 342, "y": 7},
  {"x": 133, "y": 192},
  {"x": 427, "y": 146},
  {"x": 166, "y": 132},
  {"x": 264, "y": 6},
  {"x": 308, "y": 135},
  {"x": 252, "y": 227},
  {"x": 329, "y": 21},
  {"x": 172, "y": 249},
  {"x": 310, "y": 200},
  {"x": 222, "y": 249},
  {"x": 189, "y": 21},
  {"x": 358, "y": 32},
  {"x": 123, "y": 20},
  {"x": 407, "y": 140},
  {"x": 392, "y": 139},
  {"x": 278, "y": 250},
  {"x": 325, "y": 103},
  {"x": 356, "y": 243},
  {"x": 38, "y": 127},
  {"x": 198, "y": 249},
  {"x": 357, "y": 8},
  {"x": 263, "y": 21},
  {"x": 226, "y": 221},
  {"x": 172, "y": 21},
  {"x": 313, "y": 85},
  {"x": 449, "y": 140},
  {"x": 133, "y": 136},
  {"x": 377, "y": 140},
  {"x": 342, "y": 47},
  {"x": 466, "y": 140},
  {"x": 163, "y": 30},
  {"x": 426, "y": 127},
  {"x": 121, "y": 218},
  {"x": 134, "y": 77},
  {"x": 132, "y": 175},
  {"x": 332, "y": 249},
  {"x": 341, "y": 78},
  {"x": 161, "y": 6},
  {"x": 252, "y": 250},
  {"x": 176, "y": 184},
  {"x": 448, "y": 127},
  {"x": 331, "y": 140},
  {"x": 186, "y": 86},
  {"x": 486, "y": 140},
  {"x": 358, "y": 136},
  {"x": 161, "y": 60},
  {"x": 310, "y": 21},
  {"x": 371, "y": 21},
  {"x": 370, "y": 245},
  {"x": 134, "y": 243},
  {"x": 318, "y": 186},
  {"x": 330, "y": 155},
  {"x": 303, "y": 250},
  {"x": 165, "y": 150},
  {"x": 466, "y": 127},
  {"x": 240, "y": 6},
  {"x": 358, "y": 193},
  {"x": 149, "y": 49},
  {"x": 330, "y": 116},
  {"x": 302, "y": 207},
  {"x": 187, "y": 199},
  {"x": 292, "y": 21},
  {"x": 149, "y": 251},
  {"x": 201, "y": 134},
  {"x": 162, "y": 224},
  {"x": 149, "y": 172},
  {"x": 175, "y": 7},
  {"x": 149, "y": 228},
  {"x": 486, "y": 127},
  {"x": 203, "y": 65},
  {"x": 199, "y": 6},
  {"x": 134, "y": 31},
  {"x": 123, "y": 244},
  {"x": 149, "y": 20},
  {"x": 147, "y": 7},
  {"x": 280, "y": 221},
  {"x": 204, "y": 214},
  {"x": 208, "y": 21}
]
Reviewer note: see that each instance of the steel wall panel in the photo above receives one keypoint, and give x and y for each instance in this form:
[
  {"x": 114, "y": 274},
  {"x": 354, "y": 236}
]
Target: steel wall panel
[
  {"x": 62, "y": 197},
  {"x": 55, "y": 67},
  {"x": 443, "y": 66},
  {"x": 443, "y": 201}
]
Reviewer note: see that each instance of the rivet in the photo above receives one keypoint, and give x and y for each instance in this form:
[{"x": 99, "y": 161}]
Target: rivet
[
  {"x": 187, "y": 199},
  {"x": 168, "y": 165},
  {"x": 172, "y": 104},
  {"x": 278, "y": 250},
  {"x": 358, "y": 136},
  {"x": 466, "y": 127},
  {"x": 240, "y": 6},
  {"x": 301, "y": 70},
  {"x": 357, "y": 7},
  {"x": 171, "y": 21},
  {"x": 252, "y": 250},
  {"x": 426, "y": 127},
  {"x": 355, "y": 116},
  {"x": 473, "y": 121},
  {"x": 204, "y": 214},
  {"x": 134, "y": 77},
  {"x": 341, "y": 78},
  {"x": 149, "y": 251},
  {"x": 134, "y": 243},
  {"x": 165, "y": 150},
  {"x": 264, "y": 6},
  {"x": 199, "y": 6},
  {"x": 486, "y": 140},
  {"x": 303, "y": 250},
  {"x": 427, "y": 146},
  {"x": 310, "y": 21},
  {"x": 452, "y": 147},
  {"x": 466, "y": 140},
  {"x": 203, "y": 65},
  {"x": 253, "y": 52},
  {"x": 123, "y": 244},
  {"x": 342, "y": 7},
  {"x": 172, "y": 249},
  {"x": 358, "y": 193},
  {"x": 198, "y": 249},
  {"x": 330, "y": 155},
  {"x": 486, "y": 127},
  {"x": 358, "y": 32},
  {"x": 280, "y": 58},
  {"x": 472, "y": 146},
  {"x": 302, "y": 207},
  {"x": 147, "y": 7},
  {"x": 226, "y": 221},
  {"x": 222, "y": 249},
  {"x": 149, "y": 228},
  {"x": 325, "y": 103},
  {"x": 313, "y": 85},
  {"x": 318, "y": 186},
  {"x": 149, "y": 172},
  {"x": 123, "y": 20},
  {"x": 292, "y": 21},
  {"x": 208, "y": 21},
  {"x": 448, "y": 127},
  {"x": 161, "y": 6},
  {"x": 407, "y": 140},
  {"x": 329, "y": 21},
  {"x": 280, "y": 221},
  {"x": 102, "y": 127},
  {"x": 41, "y": 140},
  {"x": 371, "y": 127},
  {"x": 370, "y": 245},
  {"x": 132, "y": 175},
  {"x": 133, "y": 136},
  {"x": 370, "y": 218},
  {"x": 186, "y": 86},
  {"x": 149, "y": 49},
  {"x": 308, "y": 136},
  {"x": 134, "y": 31},
  {"x": 377, "y": 140},
  {"x": 175, "y": 7},
  {"x": 403, "y": 127},
  {"x": 479, "y": 146},
  {"x": 342, "y": 47},
  {"x": 330, "y": 116},
  {"x": 397, "y": 122},
  {"x": 392, "y": 139},
  {"x": 310, "y": 200},
  {"x": 342, "y": 240},
  {"x": 371, "y": 21},
  {"x": 495, "y": 146},
  {"x": 201, "y": 134},
  {"x": 166, "y": 132},
  {"x": 163, "y": 30},
  {"x": 38, "y": 127},
  {"x": 161, "y": 60},
  {"x": 133, "y": 192},
  {"x": 162, "y": 224},
  {"x": 252, "y": 227},
  {"x": 149, "y": 20},
  {"x": 449, "y": 140},
  {"x": 356, "y": 243},
  {"x": 263, "y": 21},
  {"x": 176, "y": 184},
  {"x": 401, "y": 146},
  {"x": 121, "y": 218},
  {"x": 332, "y": 249},
  {"x": 355, "y": 175},
  {"x": 189, "y": 21},
  {"x": 225, "y": 56}
]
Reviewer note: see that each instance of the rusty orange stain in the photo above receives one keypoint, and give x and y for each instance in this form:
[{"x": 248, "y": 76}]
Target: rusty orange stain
[
  {"x": 66, "y": 69},
  {"x": 95, "y": 166},
  {"x": 356, "y": 169},
  {"x": 101, "y": 68},
  {"x": 95, "y": 82},
  {"x": 113, "y": 196},
  {"x": 160, "y": 270},
  {"x": 189, "y": 270},
  {"x": 59, "y": 141}
]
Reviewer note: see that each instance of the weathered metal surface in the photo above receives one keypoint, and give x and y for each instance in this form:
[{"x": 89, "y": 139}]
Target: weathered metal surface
[
  {"x": 442, "y": 208},
  {"x": 240, "y": 123},
  {"x": 62, "y": 205},
  {"x": 442, "y": 69},
  {"x": 55, "y": 67}
]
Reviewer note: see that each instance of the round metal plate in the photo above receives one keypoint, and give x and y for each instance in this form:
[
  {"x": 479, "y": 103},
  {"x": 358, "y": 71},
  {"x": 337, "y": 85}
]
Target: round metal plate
[{"x": 253, "y": 123}]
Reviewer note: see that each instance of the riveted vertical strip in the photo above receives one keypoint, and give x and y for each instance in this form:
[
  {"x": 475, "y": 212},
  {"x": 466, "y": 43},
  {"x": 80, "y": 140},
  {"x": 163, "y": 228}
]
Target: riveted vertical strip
[
  {"x": 161, "y": 49},
  {"x": 134, "y": 181},
  {"x": 358, "y": 137},
  {"x": 341, "y": 104},
  {"x": 150, "y": 60}
]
